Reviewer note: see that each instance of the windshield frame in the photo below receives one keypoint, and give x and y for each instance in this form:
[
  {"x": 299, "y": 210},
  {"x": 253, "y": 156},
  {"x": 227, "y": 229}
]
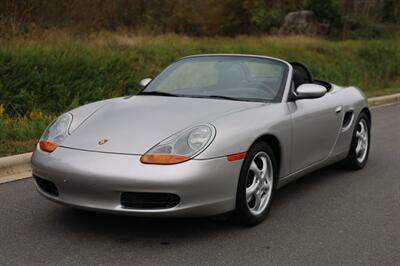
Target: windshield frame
[{"x": 278, "y": 97}]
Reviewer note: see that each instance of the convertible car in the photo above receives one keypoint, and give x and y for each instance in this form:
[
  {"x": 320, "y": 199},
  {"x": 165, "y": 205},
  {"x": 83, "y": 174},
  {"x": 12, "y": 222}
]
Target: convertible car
[{"x": 210, "y": 134}]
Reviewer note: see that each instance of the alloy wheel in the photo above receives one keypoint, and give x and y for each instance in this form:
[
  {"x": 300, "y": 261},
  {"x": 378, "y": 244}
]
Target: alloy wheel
[
  {"x": 362, "y": 140},
  {"x": 259, "y": 183}
]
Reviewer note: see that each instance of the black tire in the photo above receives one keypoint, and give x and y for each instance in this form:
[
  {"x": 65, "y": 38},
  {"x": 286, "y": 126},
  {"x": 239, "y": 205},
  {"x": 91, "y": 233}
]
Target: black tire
[
  {"x": 242, "y": 214},
  {"x": 352, "y": 160}
]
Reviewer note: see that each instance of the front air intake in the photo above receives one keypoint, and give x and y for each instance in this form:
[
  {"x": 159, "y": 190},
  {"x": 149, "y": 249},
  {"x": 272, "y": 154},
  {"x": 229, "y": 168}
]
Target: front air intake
[
  {"x": 142, "y": 200},
  {"x": 46, "y": 186}
]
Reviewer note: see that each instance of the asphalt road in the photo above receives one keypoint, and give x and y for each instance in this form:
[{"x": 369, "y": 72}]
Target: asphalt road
[{"x": 331, "y": 217}]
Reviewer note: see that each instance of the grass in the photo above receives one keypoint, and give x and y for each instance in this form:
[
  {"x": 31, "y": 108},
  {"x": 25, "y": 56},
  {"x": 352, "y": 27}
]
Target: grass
[
  {"x": 20, "y": 134},
  {"x": 52, "y": 72},
  {"x": 17, "y": 147}
]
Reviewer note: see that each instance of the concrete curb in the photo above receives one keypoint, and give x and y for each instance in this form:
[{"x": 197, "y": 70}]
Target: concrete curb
[
  {"x": 384, "y": 100},
  {"x": 19, "y": 166},
  {"x": 15, "y": 167}
]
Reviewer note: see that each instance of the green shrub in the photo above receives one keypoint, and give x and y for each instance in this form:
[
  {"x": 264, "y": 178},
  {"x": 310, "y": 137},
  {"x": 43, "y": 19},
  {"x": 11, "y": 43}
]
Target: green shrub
[
  {"x": 362, "y": 27},
  {"x": 53, "y": 78}
]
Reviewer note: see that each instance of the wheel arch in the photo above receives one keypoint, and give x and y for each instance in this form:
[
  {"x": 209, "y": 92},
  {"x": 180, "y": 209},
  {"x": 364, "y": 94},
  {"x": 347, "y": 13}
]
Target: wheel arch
[
  {"x": 367, "y": 112},
  {"x": 275, "y": 144}
]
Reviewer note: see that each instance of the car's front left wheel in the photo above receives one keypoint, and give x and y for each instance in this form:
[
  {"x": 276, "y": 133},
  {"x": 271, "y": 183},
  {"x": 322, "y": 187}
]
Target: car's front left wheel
[{"x": 257, "y": 183}]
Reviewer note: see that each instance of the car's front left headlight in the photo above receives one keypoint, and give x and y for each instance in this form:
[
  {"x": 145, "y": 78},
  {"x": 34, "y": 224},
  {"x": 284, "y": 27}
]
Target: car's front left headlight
[
  {"x": 181, "y": 146},
  {"x": 55, "y": 133}
]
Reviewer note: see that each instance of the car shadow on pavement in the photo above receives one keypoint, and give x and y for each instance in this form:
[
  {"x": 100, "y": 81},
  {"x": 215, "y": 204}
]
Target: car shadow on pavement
[
  {"x": 122, "y": 228},
  {"x": 310, "y": 183}
]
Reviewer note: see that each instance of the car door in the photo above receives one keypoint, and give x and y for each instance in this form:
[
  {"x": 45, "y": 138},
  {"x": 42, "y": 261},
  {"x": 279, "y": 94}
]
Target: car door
[{"x": 315, "y": 128}]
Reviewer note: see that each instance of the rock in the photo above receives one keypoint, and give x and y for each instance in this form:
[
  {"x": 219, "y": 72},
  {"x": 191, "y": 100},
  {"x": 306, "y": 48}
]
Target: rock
[{"x": 303, "y": 22}]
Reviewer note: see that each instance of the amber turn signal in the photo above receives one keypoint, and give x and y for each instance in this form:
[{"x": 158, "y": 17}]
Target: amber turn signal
[
  {"x": 163, "y": 159},
  {"x": 47, "y": 146},
  {"x": 236, "y": 156}
]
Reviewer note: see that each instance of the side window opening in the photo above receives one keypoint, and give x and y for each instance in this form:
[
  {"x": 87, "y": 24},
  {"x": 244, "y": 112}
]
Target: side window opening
[{"x": 301, "y": 75}]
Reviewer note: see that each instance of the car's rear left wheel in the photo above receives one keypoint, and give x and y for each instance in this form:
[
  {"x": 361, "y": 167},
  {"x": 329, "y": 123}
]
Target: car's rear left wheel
[
  {"x": 360, "y": 144},
  {"x": 256, "y": 185}
]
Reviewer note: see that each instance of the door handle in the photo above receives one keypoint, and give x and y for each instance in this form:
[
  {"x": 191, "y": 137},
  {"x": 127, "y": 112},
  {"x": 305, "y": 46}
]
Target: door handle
[{"x": 338, "y": 109}]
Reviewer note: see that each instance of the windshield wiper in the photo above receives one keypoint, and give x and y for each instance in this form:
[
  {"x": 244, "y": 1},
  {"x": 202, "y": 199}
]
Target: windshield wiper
[
  {"x": 234, "y": 98},
  {"x": 160, "y": 93},
  {"x": 219, "y": 97}
]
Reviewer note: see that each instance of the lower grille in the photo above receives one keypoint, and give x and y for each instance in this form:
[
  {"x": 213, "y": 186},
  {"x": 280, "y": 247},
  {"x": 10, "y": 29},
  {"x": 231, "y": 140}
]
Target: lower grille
[
  {"x": 47, "y": 186},
  {"x": 141, "y": 200}
]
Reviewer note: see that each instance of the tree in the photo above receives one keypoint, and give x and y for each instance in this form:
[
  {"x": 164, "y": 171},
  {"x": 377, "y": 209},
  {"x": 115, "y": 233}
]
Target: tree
[{"x": 327, "y": 11}]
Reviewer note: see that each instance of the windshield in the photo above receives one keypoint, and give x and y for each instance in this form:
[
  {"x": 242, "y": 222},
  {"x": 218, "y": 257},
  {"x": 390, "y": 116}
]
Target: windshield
[{"x": 226, "y": 77}]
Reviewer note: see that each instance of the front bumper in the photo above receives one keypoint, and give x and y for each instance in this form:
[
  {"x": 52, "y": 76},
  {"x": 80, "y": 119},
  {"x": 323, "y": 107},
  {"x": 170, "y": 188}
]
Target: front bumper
[{"x": 95, "y": 180}]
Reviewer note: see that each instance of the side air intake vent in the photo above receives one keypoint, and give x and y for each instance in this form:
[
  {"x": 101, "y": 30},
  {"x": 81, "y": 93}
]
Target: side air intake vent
[{"x": 348, "y": 119}]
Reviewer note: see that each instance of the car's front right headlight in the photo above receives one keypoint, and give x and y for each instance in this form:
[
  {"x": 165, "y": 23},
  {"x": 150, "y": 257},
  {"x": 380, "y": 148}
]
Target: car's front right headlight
[
  {"x": 181, "y": 146},
  {"x": 55, "y": 133}
]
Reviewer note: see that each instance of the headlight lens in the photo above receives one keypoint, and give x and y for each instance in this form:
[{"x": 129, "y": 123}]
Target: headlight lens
[
  {"x": 180, "y": 147},
  {"x": 55, "y": 133},
  {"x": 198, "y": 137}
]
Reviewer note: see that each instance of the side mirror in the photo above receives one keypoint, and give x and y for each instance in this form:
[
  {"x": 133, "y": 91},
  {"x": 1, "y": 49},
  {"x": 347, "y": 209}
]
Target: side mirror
[
  {"x": 144, "y": 82},
  {"x": 310, "y": 91}
]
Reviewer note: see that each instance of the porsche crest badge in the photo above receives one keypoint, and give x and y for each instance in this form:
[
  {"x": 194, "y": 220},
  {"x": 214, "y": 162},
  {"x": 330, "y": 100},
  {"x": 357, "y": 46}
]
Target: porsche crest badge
[{"x": 103, "y": 141}]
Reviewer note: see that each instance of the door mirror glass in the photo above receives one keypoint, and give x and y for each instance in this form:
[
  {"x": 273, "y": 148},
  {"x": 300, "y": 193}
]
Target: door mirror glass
[
  {"x": 144, "y": 82},
  {"x": 310, "y": 91}
]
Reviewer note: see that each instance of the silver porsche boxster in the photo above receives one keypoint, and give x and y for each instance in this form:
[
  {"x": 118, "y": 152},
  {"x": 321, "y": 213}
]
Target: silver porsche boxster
[{"x": 210, "y": 134}]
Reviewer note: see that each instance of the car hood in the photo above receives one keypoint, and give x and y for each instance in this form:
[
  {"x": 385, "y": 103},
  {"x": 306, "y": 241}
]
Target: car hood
[{"x": 134, "y": 125}]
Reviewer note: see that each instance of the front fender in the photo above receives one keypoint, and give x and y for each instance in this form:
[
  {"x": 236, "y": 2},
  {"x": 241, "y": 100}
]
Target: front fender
[{"x": 238, "y": 131}]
